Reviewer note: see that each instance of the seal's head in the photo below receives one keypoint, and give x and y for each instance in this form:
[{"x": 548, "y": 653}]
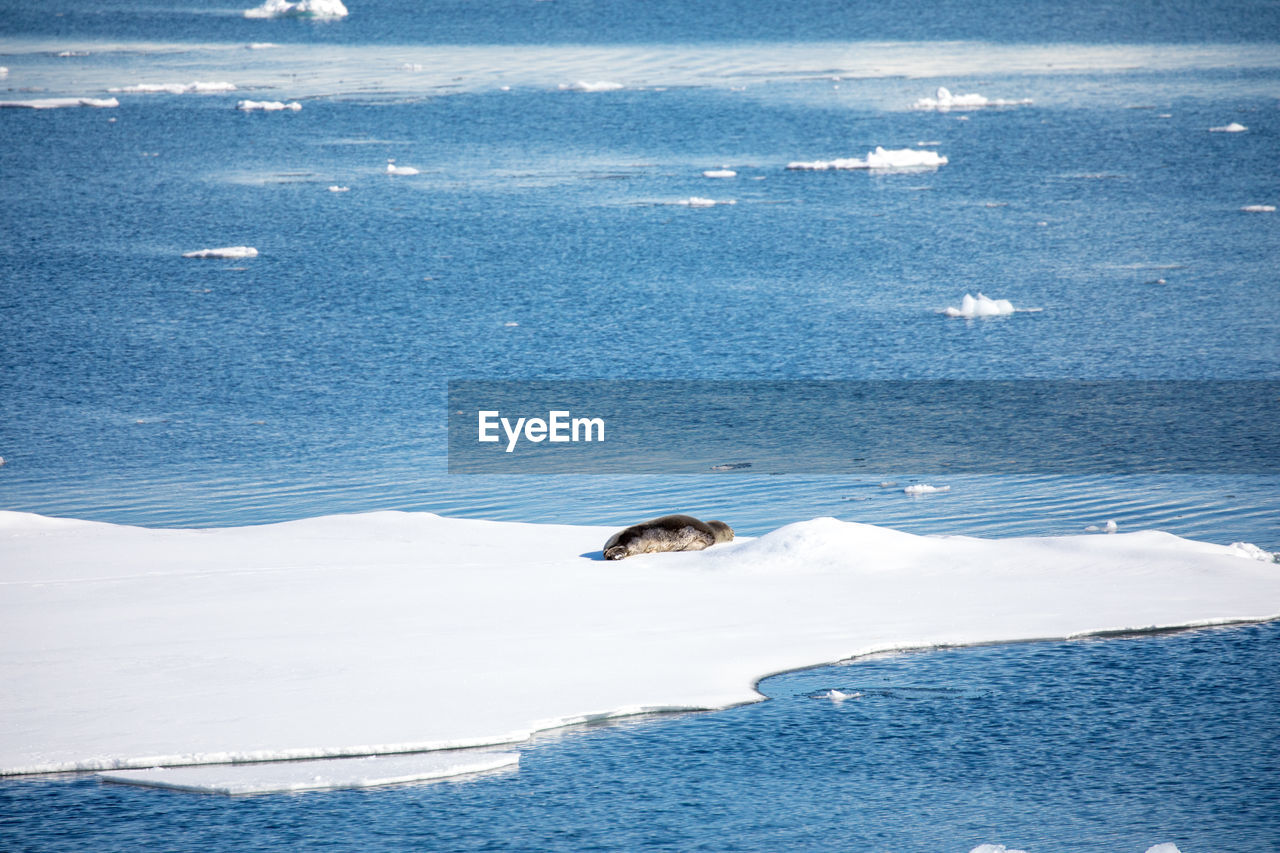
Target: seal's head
[{"x": 722, "y": 531}]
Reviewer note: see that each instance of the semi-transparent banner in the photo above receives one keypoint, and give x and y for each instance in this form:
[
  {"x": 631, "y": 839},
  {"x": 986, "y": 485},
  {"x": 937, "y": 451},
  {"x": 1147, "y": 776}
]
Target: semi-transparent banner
[{"x": 803, "y": 427}]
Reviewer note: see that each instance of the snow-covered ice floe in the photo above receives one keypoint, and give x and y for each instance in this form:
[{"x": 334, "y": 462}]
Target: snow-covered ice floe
[
  {"x": 130, "y": 648},
  {"x": 944, "y": 100},
  {"x": 984, "y": 306},
  {"x": 587, "y": 86},
  {"x": 698, "y": 201},
  {"x": 1259, "y": 208},
  {"x": 393, "y": 169},
  {"x": 720, "y": 173},
  {"x": 323, "y": 775},
  {"x": 268, "y": 106},
  {"x": 59, "y": 103},
  {"x": 298, "y": 9},
  {"x": 881, "y": 158},
  {"x": 925, "y": 489},
  {"x": 235, "y": 252},
  {"x": 334, "y": 188},
  {"x": 196, "y": 87},
  {"x": 1234, "y": 127}
]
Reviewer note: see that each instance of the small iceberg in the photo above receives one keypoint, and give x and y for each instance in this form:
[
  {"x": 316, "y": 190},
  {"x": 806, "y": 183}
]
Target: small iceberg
[
  {"x": 1234, "y": 127},
  {"x": 925, "y": 489},
  {"x": 719, "y": 173},
  {"x": 235, "y": 252},
  {"x": 299, "y": 9},
  {"x": 944, "y": 100},
  {"x": 1259, "y": 208},
  {"x": 696, "y": 201},
  {"x": 175, "y": 88},
  {"x": 1112, "y": 527},
  {"x": 980, "y": 306},
  {"x": 881, "y": 159},
  {"x": 269, "y": 106},
  {"x": 58, "y": 103},
  {"x": 337, "y": 189},
  {"x": 598, "y": 86},
  {"x": 393, "y": 169}
]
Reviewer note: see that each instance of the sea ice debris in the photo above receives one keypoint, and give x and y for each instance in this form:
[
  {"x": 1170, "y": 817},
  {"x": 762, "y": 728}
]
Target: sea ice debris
[
  {"x": 881, "y": 158},
  {"x": 1167, "y": 847},
  {"x": 56, "y": 103},
  {"x": 337, "y": 189},
  {"x": 1234, "y": 127},
  {"x": 944, "y": 100},
  {"x": 719, "y": 173},
  {"x": 299, "y": 9},
  {"x": 175, "y": 88},
  {"x": 1259, "y": 208},
  {"x": 393, "y": 169},
  {"x": 925, "y": 489},
  {"x": 980, "y": 306},
  {"x": 994, "y": 848},
  {"x": 234, "y": 252},
  {"x": 598, "y": 86},
  {"x": 268, "y": 106}
]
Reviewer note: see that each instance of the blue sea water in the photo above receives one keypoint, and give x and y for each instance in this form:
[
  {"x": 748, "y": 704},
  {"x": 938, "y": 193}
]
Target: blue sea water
[{"x": 543, "y": 239}]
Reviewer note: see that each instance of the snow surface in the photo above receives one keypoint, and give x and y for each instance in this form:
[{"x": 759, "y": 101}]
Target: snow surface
[
  {"x": 944, "y": 100},
  {"x": 196, "y": 87},
  {"x": 129, "y": 648},
  {"x": 301, "y": 9},
  {"x": 268, "y": 106},
  {"x": 881, "y": 158},
  {"x": 226, "y": 252},
  {"x": 56, "y": 103},
  {"x": 1234, "y": 127},
  {"x": 329, "y": 774}
]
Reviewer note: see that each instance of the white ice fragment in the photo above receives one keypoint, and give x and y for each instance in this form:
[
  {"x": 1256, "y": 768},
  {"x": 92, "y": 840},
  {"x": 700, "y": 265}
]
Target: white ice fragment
[
  {"x": 1110, "y": 527},
  {"x": 944, "y": 100},
  {"x": 67, "y": 53},
  {"x": 839, "y": 695},
  {"x": 881, "y": 158},
  {"x": 299, "y": 9},
  {"x": 994, "y": 848},
  {"x": 719, "y": 173},
  {"x": 268, "y": 106},
  {"x": 262, "y": 45},
  {"x": 1252, "y": 552},
  {"x": 57, "y": 103},
  {"x": 1234, "y": 127},
  {"x": 175, "y": 88},
  {"x": 925, "y": 489},
  {"x": 598, "y": 86},
  {"x": 4, "y": 72},
  {"x": 980, "y": 306},
  {"x": 234, "y": 252},
  {"x": 337, "y": 189},
  {"x": 1259, "y": 208},
  {"x": 1167, "y": 847},
  {"x": 393, "y": 169},
  {"x": 698, "y": 201}
]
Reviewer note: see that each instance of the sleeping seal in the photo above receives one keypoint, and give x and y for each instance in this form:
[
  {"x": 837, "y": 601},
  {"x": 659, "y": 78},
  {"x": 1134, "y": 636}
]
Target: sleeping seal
[{"x": 669, "y": 533}]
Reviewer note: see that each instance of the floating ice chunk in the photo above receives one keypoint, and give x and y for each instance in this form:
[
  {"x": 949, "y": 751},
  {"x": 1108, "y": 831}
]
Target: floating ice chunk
[
  {"x": 226, "y": 252},
  {"x": 598, "y": 86},
  {"x": 719, "y": 173},
  {"x": 944, "y": 100},
  {"x": 175, "y": 88},
  {"x": 1109, "y": 527},
  {"x": 4, "y": 72},
  {"x": 980, "y": 306},
  {"x": 839, "y": 695},
  {"x": 1167, "y": 847},
  {"x": 1234, "y": 127},
  {"x": 262, "y": 45},
  {"x": 1259, "y": 208},
  {"x": 268, "y": 106},
  {"x": 1244, "y": 549},
  {"x": 337, "y": 189},
  {"x": 57, "y": 103},
  {"x": 393, "y": 169},
  {"x": 994, "y": 848},
  {"x": 697, "y": 201},
  {"x": 67, "y": 53},
  {"x": 330, "y": 774},
  {"x": 925, "y": 489},
  {"x": 300, "y": 9},
  {"x": 881, "y": 158}
]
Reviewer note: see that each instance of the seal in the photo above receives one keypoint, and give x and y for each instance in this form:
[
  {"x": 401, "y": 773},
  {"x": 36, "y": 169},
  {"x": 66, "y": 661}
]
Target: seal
[{"x": 668, "y": 533}]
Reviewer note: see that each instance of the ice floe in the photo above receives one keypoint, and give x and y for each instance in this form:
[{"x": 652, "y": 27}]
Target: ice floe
[
  {"x": 59, "y": 103},
  {"x": 1234, "y": 127},
  {"x": 720, "y": 173},
  {"x": 339, "y": 189},
  {"x": 393, "y": 169},
  {"x": 984, "y": 306},
  {"x": 880, "y": 159},
  {"x": 175, "y": 88},
  {"x": 944, "y": 100},
  {"x": 298, "y": 9},
  {"x": 994, "y": 848},
  {"x": 331, "y": 774},
  {"x": 130, "y": 648},
  {"x": 1259, "y": 208},
  {"x": 269, "y": 106},
  {"x": 598, "y": 86},
  {"x": 1112, "y": 527},
  {"x": 698, "y": 201},
  {"x": 234, "y": 252},
  {"x": 925, "y": 489}
]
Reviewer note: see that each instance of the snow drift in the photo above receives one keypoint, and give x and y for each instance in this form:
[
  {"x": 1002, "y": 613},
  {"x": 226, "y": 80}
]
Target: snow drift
[{"x": 129, "y": 648}]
